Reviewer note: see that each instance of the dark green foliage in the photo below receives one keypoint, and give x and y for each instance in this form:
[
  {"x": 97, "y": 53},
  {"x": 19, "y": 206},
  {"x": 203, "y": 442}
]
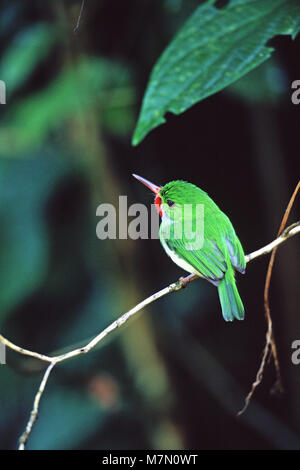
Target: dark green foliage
[{"x": 214, "y": 48}]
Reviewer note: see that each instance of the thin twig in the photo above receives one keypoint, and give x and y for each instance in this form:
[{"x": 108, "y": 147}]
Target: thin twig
[
  {"x": 270, "y": 345},
  {"x": 85, "y": 349},
  {"x": 35, "y": 409},
  {"x": 287, "y": 233},
  {"x": 26, "y": 352},
  {"x": 79, "y": 17},
  {"x": 175, "y": 286},
  {"x": 278, "y": 384}
]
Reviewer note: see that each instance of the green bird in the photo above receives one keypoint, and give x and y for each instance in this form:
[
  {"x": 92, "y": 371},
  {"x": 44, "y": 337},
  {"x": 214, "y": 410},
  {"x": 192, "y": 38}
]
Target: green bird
[{"x": 200, "y": 238}]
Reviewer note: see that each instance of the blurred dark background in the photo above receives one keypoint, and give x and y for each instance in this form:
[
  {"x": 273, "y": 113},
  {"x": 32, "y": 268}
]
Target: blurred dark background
[{"x": 175, "y": 377}]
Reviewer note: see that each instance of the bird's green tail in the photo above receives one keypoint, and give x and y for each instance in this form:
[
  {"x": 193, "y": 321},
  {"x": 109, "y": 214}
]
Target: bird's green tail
[{"x": 232, "y": 306}]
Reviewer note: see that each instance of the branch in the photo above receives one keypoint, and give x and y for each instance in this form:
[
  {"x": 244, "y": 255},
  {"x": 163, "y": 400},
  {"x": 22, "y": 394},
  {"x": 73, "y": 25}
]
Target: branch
[
  {"x": 287, "y": 233},
  {"x": 270, "y": 345},
  {"x": 79, "y": 17},
  {"x": 175, "y": 286},
  {"x": 35, "y": 409}
]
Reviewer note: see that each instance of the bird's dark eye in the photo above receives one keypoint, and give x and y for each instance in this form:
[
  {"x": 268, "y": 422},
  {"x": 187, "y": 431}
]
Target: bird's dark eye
[{"x": 170, "y": 203}]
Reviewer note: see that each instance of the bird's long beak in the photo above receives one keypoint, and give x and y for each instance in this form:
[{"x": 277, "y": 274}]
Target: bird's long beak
[{"x": 147, "y": 183}]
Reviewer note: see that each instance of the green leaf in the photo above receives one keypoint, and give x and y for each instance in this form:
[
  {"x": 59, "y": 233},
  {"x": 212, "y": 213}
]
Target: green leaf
[{"x": 214, "y": 48}]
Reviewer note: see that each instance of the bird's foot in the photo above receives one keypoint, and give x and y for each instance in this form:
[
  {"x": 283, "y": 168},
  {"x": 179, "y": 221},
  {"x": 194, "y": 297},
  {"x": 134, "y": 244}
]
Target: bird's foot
[{"x": 186, "y": 280}]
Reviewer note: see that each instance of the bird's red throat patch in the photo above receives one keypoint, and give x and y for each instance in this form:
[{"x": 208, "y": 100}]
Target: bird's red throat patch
[{"x": 157, "y": 202}]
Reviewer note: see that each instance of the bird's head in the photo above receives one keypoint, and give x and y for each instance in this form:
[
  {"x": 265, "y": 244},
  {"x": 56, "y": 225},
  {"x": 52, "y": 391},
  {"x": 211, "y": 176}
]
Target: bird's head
[{"x": 170, "y": 198}]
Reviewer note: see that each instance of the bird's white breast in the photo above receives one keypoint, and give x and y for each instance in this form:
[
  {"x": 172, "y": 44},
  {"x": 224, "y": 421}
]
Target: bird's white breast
[{"x": 178, "y": 260}]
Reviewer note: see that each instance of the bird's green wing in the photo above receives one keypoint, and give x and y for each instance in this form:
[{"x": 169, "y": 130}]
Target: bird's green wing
[
  {"x": 208, "y": 261},
  {"x": 236, "y": 251},
  {"x": 218, "y": 227}
]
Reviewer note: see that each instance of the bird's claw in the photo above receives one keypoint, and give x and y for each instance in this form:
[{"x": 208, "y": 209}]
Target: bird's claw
[{"x": 184, "y": 281}]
